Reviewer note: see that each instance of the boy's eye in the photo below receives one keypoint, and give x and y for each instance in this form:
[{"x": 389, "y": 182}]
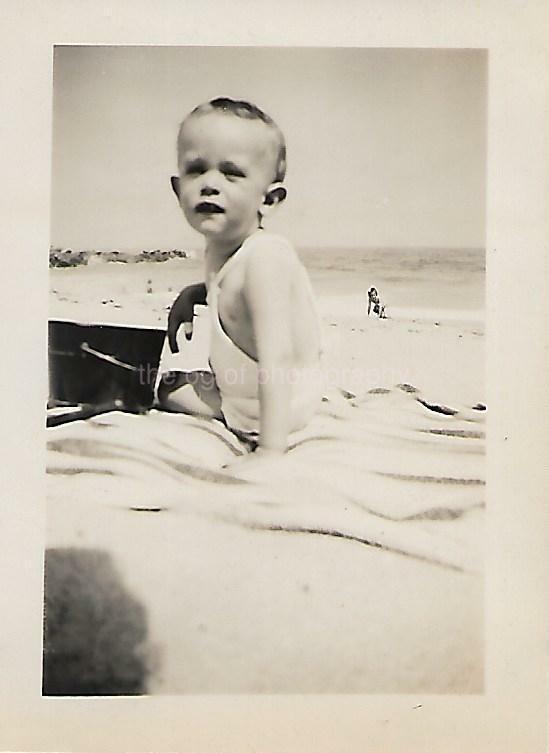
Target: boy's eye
[
  {"x": 231, "y": 171},
  {"x": 197, "y": 167}
]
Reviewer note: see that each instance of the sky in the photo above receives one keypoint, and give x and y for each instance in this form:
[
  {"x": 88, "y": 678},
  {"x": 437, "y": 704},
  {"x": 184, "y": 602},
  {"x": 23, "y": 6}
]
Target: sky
[{"x": 386, "y": 147}]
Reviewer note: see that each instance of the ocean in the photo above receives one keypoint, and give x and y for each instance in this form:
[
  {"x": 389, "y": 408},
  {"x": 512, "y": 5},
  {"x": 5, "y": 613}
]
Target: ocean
[{"x": 447, "y": 278}]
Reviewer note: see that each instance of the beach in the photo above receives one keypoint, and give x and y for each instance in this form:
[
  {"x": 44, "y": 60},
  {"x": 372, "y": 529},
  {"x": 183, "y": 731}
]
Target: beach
[{"x": 247, "y": 603}]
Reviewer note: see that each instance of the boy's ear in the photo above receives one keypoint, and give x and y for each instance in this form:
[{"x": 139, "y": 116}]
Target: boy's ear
[
  {"x": 174, "y": 180},
  {"x": 275, "y": 194}
]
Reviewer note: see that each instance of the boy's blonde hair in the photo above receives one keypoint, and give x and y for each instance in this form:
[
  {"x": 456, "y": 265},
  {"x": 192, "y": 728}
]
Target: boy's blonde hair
[{"x": 242, "y": 109}]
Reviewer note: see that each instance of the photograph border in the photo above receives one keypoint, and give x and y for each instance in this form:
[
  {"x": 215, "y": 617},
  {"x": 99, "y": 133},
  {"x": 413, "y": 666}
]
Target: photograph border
[{"x": 511, "y": 714}]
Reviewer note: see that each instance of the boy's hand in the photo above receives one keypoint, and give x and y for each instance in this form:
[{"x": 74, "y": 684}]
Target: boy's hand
[{"x": 182, "y": 312}]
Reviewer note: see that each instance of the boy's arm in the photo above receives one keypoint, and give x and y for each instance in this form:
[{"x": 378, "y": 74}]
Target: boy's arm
[
  {"x": 267, "y": 291},
  {"x": 182, "y": 311}
]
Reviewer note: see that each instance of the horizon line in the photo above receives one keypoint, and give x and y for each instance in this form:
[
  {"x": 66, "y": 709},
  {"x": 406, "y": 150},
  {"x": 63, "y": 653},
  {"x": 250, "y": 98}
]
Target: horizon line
[{"x": 138, "y": 249}]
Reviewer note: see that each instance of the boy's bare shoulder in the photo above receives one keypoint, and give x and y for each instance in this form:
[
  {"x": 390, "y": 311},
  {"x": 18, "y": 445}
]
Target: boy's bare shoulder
[
  {"x": 273, "y": 269},
  {"x": 270, "y": 249}
]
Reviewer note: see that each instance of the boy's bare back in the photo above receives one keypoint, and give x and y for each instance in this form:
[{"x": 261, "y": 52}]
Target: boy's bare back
[{"x": 268, "y": 297}]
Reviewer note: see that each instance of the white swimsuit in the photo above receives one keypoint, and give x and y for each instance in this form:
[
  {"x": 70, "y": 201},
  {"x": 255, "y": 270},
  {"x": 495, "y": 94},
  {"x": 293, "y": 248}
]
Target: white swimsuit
[{"x": 237, "y": 374}]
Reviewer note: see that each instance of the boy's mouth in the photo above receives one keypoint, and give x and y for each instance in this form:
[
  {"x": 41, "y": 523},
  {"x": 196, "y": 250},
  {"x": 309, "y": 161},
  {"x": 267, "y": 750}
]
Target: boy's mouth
[{"x": 208, "y": 207}]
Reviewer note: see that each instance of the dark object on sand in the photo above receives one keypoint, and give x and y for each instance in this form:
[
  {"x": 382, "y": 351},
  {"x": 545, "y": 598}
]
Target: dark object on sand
[{"x": 101, "y": 367}]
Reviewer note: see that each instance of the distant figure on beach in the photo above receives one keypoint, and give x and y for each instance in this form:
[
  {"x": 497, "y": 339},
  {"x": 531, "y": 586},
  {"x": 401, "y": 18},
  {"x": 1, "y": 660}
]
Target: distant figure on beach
[
  {"x": 374, "y": 303},
  {"x": 265, "y": 333}
]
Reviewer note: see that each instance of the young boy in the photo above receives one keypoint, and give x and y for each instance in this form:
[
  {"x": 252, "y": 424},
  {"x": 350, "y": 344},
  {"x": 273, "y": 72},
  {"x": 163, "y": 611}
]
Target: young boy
[{"x": 265, "y": 334}]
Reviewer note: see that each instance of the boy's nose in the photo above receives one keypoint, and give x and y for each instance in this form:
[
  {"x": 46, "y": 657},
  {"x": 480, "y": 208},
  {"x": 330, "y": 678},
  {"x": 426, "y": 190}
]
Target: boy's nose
[
  {"x": 209, "y": 183},
  {"x": 209, "y": 190}
]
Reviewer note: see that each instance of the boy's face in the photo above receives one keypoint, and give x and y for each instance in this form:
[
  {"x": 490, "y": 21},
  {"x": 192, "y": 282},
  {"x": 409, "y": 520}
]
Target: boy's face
[{"x": 226, "y": 165}]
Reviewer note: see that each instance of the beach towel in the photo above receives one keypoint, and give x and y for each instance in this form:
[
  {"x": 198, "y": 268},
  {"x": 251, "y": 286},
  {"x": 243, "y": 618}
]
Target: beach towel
[{"x": 389, "y": 470}]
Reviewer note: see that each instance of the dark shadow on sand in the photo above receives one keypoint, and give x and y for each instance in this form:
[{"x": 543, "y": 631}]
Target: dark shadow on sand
[{"x": 95, "y": 631}]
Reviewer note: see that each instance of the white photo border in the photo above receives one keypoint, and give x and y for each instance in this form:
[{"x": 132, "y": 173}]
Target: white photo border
[{"x": 511, "y": 714}]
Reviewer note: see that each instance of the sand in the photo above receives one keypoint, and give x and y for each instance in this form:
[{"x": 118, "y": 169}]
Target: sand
[{"x": 230, "y": 609}]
